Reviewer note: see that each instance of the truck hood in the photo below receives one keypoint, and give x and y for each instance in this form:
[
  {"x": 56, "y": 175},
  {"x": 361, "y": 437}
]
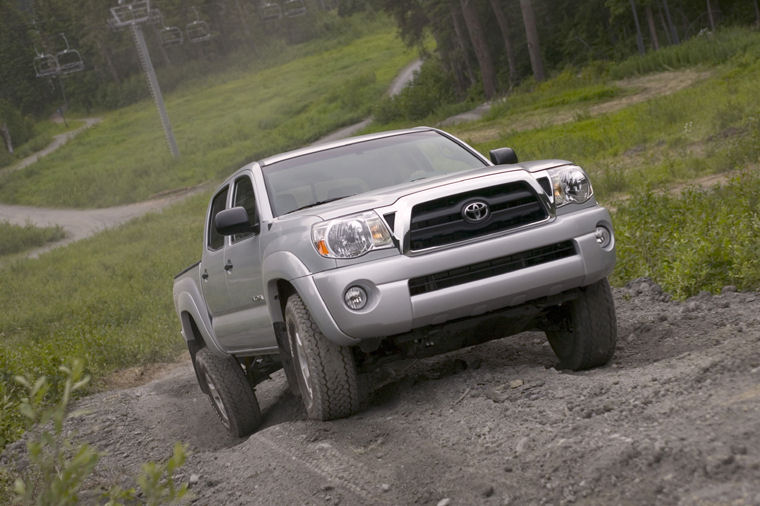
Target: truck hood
[{"x": 388, "y": 196}]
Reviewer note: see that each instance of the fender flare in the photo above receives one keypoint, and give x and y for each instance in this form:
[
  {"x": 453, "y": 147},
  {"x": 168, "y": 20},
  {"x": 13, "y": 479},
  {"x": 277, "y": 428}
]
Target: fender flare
[{"x": 186, "y": 296}]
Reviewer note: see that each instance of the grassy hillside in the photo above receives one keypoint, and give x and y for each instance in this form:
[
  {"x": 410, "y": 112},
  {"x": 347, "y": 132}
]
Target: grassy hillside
[{"x": 218, "y": 125}]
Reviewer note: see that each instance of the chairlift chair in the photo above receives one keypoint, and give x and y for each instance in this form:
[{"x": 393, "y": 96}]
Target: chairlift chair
[
  {"x": 171, "y": 36},
  {"x": 45, "y": 65},
  {"x": 294, "y": 8},
  {"x": 270, "y": 11},
  {"x": 198, "y": 30},
  {"x": 131, "y": 13},
  {"x": 69, "y": 60}
]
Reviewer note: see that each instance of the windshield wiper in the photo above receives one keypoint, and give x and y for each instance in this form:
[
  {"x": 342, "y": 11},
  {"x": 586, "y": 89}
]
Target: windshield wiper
[{"x": 319, "y": 203}]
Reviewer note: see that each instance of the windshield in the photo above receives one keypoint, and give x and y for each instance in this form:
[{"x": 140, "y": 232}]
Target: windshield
[{"x": 335, "y": 173}]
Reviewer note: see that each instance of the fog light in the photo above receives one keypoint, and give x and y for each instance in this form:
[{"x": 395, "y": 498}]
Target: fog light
[
  {"x": 355, "y": 298},
  {"x": 603, "y": 236}
]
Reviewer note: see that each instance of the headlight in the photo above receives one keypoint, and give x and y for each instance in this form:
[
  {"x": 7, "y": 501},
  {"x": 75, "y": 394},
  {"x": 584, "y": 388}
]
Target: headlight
[
  {"x": 351, "y": 236},
  {"x": 571, "y": 185}
]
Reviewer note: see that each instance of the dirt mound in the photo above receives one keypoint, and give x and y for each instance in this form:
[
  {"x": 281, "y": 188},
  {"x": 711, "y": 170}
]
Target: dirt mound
[{"x": 672, "y": 420}]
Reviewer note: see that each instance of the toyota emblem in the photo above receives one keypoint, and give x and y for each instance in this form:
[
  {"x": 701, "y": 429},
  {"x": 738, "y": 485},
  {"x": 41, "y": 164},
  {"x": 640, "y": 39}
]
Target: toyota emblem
[{"x": 475, "y": 212}]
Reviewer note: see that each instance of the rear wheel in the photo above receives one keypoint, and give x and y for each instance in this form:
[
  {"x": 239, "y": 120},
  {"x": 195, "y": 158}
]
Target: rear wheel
[
  {"x": 326, "y": 373},
  {"x": 583, "y": 332},
  {"x": 230, "y": 394}
]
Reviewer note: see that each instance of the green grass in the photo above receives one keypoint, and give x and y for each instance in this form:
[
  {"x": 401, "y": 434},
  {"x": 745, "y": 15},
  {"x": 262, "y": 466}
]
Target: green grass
[
  {"x": 107, "y": 299},
  {"x": 17, "y": 239},
  {"x": 43, "y": 136},
  {"x": 218, "y": 127},
  {"x": 698, "y": 240},
  {"x": 570, "y": 87}
]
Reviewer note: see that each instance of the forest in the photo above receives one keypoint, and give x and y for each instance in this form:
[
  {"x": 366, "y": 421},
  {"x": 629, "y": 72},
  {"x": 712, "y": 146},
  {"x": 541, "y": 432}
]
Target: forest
[{"x": 481, "y": 48}]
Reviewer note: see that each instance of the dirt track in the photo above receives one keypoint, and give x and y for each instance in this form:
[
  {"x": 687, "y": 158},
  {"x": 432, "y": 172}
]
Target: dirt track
[{"x": 673, "y": 420}]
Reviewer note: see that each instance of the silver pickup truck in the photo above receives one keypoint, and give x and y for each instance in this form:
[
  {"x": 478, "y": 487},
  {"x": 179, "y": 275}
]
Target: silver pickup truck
[{"x": 330, "y": 260}]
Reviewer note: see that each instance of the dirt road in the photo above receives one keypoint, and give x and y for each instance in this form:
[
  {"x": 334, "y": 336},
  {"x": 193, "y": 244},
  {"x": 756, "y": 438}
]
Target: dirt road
[
  {"x": 81, "y": 223},
  {"x": 674, "y": 419}
]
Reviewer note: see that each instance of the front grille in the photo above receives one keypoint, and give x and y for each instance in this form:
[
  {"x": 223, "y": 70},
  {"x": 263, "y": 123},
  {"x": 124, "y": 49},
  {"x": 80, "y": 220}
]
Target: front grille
[
  {"x": 440, "y": 222},
  {"x": 490, "y": 268}
]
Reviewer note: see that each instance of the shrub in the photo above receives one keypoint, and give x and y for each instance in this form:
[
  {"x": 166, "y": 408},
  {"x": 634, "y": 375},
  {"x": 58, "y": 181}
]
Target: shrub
[{"x": 58, "y": 468}]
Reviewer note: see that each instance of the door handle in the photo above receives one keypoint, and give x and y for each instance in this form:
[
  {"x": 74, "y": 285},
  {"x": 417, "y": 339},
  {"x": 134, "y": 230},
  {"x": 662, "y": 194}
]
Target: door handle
[
  {"x": 204, "y": 276},
  {"x": 228, "y": 267}
]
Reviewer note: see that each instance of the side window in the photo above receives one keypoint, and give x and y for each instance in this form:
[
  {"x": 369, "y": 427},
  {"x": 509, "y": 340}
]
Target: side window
[
  {"x": 215, "y": 239},
  {"x": 244, "y": 197}
]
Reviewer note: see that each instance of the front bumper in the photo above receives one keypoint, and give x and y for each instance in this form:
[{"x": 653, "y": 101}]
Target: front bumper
[{"x": 392, "y": 310}]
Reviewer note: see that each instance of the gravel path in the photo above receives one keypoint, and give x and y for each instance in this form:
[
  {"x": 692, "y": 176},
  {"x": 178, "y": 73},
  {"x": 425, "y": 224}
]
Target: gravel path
[
  {"x": 81, "y": 223},
  {"x": 58, "y": 141},
  {"x": 674, "y": 419}
]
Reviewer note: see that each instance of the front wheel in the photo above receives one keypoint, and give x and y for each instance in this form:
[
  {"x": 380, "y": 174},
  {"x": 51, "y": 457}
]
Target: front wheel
[
  {"x": 230, "y": 394},
  {"x": 326, "y": 372},
  {"x": 583, "y": 332}
]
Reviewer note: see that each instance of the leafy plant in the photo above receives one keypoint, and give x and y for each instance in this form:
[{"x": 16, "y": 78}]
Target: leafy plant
[
  {"x": 58, "y": 467},
  {"x": 156, "y": 483}
]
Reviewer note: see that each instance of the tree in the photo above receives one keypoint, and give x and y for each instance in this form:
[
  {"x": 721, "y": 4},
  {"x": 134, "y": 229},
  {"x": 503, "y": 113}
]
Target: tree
[
  {"x": 652, "y": 27},
  {"x": 480, "y": 45},
  {"x": 531, "y": 33},
  {"x": 710, "y": 16},
  {"x": 639, "y": 38},
  {"x": 501, "y": 19}
]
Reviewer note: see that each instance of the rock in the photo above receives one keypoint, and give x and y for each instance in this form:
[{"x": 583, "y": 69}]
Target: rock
[
  {"x": 728, "y": 289},
  {"x": 495, "y": 395},
  {"x": 488, "y": 491},
  {"x": 522, "y": 444},
  {"x": 194, "y": 478},
  {"x": 517, "y": 383},
  {"x": 444, "y": 502},
  {"x": 385, "y": 487}
]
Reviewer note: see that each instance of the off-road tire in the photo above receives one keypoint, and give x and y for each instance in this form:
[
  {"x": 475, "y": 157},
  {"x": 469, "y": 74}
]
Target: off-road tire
[
  {"x": 326, "y": 372},
  {"x": 584, "y": 332},
  {"x": 230, "y": 393}
]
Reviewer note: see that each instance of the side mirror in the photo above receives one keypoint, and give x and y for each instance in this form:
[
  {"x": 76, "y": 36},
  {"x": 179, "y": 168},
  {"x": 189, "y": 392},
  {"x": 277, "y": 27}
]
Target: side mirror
[
  {"x": 503, "y": 156},
  {"x": 234, "y": 221}
]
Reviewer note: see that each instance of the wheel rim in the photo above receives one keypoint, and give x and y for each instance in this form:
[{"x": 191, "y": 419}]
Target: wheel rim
[
  {"x": 303, "y": 364},
  {"x": 216, "y": 398}
]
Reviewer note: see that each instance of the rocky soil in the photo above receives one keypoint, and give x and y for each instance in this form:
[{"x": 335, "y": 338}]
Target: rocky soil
[{"x": 674, "y": 419}]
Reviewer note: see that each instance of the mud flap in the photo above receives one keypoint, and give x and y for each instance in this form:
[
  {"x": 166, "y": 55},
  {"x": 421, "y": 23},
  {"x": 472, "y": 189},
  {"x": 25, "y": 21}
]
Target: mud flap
[{"x": 286, "y": 357}]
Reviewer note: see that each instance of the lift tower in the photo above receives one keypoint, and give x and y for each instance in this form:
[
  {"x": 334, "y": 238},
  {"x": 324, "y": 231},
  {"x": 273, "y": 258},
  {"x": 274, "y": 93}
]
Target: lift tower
[{"x": 133, "y": 15}]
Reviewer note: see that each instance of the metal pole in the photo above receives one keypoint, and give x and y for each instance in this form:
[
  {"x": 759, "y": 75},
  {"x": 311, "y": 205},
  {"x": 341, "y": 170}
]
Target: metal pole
[{"x": 142, "y": 51}]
